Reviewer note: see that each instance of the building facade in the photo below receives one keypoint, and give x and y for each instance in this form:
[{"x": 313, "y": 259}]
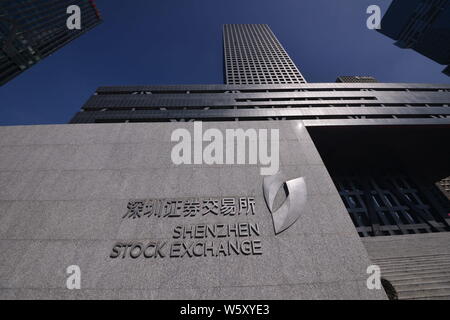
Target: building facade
[
  {"x": 32, "y": 30},
  {"x": 360, "y": 79},
  {"x": 383, "y": 144},
  {"x": 325, "y": 109},
  {"x": 445, "y": 185},
  {"x": 421, "y": 25},
  {"x": 377, "y": 204}
]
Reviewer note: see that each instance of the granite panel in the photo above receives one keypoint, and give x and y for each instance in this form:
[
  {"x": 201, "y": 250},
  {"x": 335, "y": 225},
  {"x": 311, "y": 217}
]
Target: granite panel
[{"x": 64, "y": 192}]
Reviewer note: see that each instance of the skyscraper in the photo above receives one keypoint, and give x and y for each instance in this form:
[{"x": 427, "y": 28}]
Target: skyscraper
[
  {"x": 253, "y": 55},
  {"x": 325, "y": 108},
  {"x": 32, "y": 30},
  {"x": 421, "y": 25}
]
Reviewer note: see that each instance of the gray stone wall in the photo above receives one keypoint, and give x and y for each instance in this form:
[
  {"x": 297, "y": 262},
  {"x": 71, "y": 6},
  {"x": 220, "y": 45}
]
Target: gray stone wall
[{"x": 64, "y": 190}]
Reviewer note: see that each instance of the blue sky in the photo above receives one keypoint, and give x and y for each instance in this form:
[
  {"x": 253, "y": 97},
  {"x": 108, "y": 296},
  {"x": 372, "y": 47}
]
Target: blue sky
[{"x": 180, "y": 42}]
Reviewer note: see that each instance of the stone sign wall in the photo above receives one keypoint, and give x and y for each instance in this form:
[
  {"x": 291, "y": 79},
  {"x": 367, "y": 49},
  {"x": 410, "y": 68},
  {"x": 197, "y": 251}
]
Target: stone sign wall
[{"x": 108, "y": 198}]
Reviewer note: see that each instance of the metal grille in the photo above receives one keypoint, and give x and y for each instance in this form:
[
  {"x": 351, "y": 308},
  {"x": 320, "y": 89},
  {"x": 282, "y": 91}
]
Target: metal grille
[{"x": 392, "y": 205}]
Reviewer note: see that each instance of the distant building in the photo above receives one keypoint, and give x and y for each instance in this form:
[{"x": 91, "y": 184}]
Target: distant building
[
  {"x": 32, "y": 30},
  {"x": 369, "y": 156},
  {"x": 356, "y": 79},
  {"x": 372, "y": 188},
  {"x": 422, "y": 25}
]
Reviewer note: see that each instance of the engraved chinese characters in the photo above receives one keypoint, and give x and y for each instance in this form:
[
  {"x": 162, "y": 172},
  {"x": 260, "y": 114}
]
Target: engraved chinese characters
[{"x": 194, "y": 240}]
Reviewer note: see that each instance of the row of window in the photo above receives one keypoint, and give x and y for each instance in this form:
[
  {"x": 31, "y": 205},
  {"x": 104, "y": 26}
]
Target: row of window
[
  {"x": 254, "y": 106},
  {"x": 110, "y": 117}
]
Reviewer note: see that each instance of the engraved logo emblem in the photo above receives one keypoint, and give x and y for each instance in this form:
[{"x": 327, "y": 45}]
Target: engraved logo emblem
[{"x": 295, "y": 201}]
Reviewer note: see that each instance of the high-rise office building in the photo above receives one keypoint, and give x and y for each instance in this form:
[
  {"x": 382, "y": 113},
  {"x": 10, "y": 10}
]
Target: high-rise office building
[
  {"x": 31, "y": 30},
  {"x": 253, "y": 55},
  {"x": 421, "y": 25}
]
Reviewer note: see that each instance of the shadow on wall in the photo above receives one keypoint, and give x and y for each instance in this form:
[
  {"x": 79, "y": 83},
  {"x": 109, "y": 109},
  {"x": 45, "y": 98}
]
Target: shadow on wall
[{"x": 389, "y": 288}]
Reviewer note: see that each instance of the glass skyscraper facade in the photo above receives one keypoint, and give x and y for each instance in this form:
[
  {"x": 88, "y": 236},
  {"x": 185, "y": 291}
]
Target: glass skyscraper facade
[
  {"x": 31, "y": 30},
  {"x": 381, "y": 142}
]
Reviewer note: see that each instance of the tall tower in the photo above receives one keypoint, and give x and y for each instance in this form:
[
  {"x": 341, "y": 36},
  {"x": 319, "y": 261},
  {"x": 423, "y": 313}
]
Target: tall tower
[
  {"x": 32, "y": 30},
  {"x": 253, "y": 55}
]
